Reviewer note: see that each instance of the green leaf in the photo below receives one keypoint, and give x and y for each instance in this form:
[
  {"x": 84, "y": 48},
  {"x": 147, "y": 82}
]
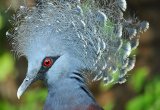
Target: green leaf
[
  {"x": 138, "y": 78},
  {"x": 34, "y": 99},
  {"x": 109, "y": 106},
  {"x": 6, "y": 106},
  {"x": 36, "y": 95},
  {"x": 136, "y": 103},
  {"x": 6, "y": 66}
]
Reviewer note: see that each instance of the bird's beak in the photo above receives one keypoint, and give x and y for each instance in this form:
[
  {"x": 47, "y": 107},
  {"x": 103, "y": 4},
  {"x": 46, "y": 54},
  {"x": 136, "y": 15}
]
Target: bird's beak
[{"x": 25, "y": 84}]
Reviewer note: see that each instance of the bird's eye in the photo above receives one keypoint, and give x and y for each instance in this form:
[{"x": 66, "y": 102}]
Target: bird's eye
[{"x": 47, "y": 62}]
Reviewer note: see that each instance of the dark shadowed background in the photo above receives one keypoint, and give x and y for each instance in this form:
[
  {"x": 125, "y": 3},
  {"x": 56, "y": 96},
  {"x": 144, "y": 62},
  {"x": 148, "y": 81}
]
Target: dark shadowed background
[{"x": 140, "y": 92}]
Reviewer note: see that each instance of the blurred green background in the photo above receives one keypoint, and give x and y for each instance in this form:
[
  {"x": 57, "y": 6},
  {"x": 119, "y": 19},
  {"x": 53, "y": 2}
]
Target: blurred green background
[{"x": 140, "y": 92}]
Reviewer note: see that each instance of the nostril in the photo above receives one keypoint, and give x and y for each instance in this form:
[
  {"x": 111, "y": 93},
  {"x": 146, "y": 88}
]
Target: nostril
[{"x": 27, "y": 79}]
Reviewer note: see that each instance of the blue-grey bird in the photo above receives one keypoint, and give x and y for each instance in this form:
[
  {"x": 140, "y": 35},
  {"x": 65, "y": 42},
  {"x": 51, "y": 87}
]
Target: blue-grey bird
[{"x": 69, "y": 43}]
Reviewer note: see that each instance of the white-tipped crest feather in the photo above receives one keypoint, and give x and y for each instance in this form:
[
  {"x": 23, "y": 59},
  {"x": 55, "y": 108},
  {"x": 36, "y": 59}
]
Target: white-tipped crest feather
[{"x": 91, "y": 32}]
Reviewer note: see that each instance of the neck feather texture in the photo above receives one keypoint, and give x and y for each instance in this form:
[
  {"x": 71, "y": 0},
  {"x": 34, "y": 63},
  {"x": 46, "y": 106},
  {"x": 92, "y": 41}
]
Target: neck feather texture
[{"x": 70, "y": 93}]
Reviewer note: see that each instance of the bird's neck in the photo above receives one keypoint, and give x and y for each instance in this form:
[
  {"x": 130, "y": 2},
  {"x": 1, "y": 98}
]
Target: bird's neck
[{"x": 69, "y": 93}]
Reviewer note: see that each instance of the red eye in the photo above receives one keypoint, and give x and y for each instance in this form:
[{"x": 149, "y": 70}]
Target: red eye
[{"x": 47, "y": 62}]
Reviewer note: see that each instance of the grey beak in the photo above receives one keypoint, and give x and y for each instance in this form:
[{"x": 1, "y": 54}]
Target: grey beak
[{"x": 25, "y": 84}]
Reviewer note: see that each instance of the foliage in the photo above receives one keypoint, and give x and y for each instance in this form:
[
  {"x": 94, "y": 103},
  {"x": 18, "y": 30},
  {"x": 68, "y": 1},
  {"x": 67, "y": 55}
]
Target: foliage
[
  {"x": 149, "y": 99},
  {"x": 109, "y": 106},
  {"x": 138, "y": 78},
  {"x": 6, "y": 65},
  {"x": 33, "y": 100}
]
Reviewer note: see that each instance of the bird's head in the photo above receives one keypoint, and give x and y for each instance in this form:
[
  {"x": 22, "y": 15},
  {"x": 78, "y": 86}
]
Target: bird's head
[{"x": 49, "y": 53}]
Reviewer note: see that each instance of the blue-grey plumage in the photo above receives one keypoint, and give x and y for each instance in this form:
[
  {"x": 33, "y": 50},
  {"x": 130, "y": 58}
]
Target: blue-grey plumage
[
  {"x": 70, "y": 93},
  {"x": 63, "y": 37}
]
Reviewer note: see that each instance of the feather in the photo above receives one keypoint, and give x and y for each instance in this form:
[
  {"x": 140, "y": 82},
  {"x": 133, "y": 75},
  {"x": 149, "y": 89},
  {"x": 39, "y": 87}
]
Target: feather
[{"x": 91, "y": 32}]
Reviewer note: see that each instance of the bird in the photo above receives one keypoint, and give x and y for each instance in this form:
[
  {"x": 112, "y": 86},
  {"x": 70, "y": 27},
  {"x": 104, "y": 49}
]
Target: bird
[{"x": 69, "y": 43}]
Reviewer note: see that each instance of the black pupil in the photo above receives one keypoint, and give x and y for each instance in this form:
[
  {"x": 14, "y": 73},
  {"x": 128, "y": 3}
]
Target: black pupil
[{"x": 47, "y": 62}]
